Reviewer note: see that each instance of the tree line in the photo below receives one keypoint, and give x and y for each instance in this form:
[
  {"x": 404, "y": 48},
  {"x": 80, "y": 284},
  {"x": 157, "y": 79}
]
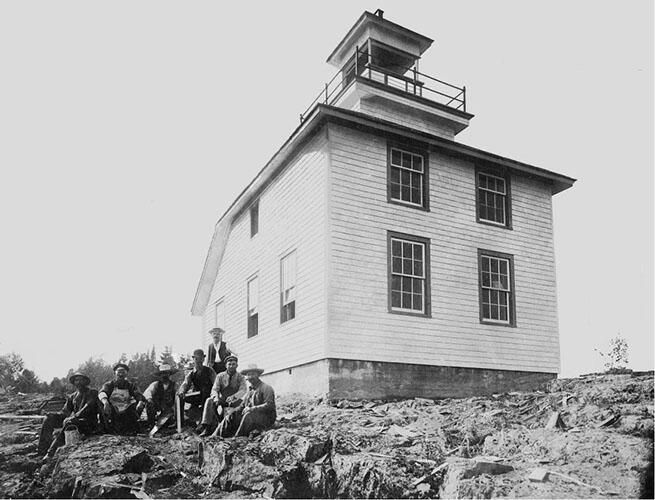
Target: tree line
[{"x": 15, "y": 377}]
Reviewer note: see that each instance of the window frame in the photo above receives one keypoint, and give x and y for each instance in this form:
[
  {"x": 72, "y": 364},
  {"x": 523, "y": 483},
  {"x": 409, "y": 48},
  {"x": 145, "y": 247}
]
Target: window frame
[
  {"x": 254, "y": 221},
  {"x": 249, "y": 331},
  {"x": 498, "y": 174},
  {"x": 427, "y": 287},
  {"x": 425, "y": 188},
  {"x": 511, "y": 293},
  {"x": 284, "y": 313}
]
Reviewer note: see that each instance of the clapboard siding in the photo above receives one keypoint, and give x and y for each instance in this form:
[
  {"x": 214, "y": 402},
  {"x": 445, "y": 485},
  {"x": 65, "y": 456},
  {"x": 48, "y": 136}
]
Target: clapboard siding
[
  {"x": 387, "y": 110},
  {"x": 360, "y": 327},
  {"x": 292, "y": 215}
]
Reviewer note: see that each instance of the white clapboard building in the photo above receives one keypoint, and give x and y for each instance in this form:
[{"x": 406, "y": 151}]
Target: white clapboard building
[{"x": 375, "y": 256}]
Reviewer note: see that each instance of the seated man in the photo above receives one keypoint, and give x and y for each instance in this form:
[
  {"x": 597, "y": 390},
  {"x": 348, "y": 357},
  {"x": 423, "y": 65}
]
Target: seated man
[
  {"x": 119, "y": 398},
  {"x": 257, "y": 412},
  {"x": 198, "y": 383},
  {"x": 160, "y": 396},
  {"x": 217, "y": 351},
  {"x": 228, "y": 391},
  {"x": 80, "y": 410}
]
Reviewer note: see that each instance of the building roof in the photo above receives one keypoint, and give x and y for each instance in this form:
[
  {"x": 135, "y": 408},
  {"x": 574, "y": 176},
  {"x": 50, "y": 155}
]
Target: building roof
[
  {"x": 367, "y": 19},
  {"x": 318, "y": 117}
]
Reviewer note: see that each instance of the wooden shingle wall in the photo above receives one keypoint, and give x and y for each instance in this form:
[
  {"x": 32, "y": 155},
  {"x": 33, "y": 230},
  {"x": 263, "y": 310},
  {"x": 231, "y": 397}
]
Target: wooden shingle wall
[
  {"x": 292, "y": 215},
  {"x": 360, "y": 326}
]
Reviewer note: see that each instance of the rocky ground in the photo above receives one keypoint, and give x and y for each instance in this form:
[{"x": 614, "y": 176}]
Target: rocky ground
[{"x": 590, "y": 437}]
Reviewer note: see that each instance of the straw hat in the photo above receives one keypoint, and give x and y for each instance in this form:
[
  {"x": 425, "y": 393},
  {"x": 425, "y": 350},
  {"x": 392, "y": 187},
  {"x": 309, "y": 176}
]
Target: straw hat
[
  {"x": 75, "y": 375},
  {"x": 252, "y": 368}
]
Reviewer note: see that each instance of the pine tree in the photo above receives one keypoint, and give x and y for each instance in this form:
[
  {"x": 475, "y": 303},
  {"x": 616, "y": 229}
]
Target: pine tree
[{"x": 166, "y": 357}]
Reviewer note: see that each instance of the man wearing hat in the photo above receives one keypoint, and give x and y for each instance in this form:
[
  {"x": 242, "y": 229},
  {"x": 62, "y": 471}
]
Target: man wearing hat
[
  {"x": 227, "y": 392},
  {"x": 80, "y": 410},
  {"x": 199, "y": 382},
  {"x": 256, "y": 412},
  {"x": 160, "y": 395},
  {"x": 217, "y": 351},
  {"x": 119, "y": 399}
]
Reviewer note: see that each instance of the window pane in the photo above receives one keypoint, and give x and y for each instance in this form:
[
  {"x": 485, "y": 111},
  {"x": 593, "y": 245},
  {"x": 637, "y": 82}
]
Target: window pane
[
  {"x": 405, "y": 177},
  {"x": 407, "y": 266},
  {"x": 397, "y": 265},
  {"x": 407, "y": 161},
  {"x": 486, "y": 279},
  {"x": 407, "y": 249},
  {"x": 417, "y": 286},
  {"x": 406, "y": 284},
  {"x": 485, "y": 311},
  {"x": 405, "y": 193},
  {"x": 503, "y": 267},
  {"x": 395, "y": 299},
  {"x": 407, "y": 301},
  {"x": 503, "y": 314},
  {"x": 417, "y": 302},
  {"x": 395, "y": 191},
  {"x": 418, "y": 163},
  {"x": 395, "y": 175},
  {"x": 418, "y": 268},
  {"x": 395, "y": 283},
  {"x": 395, "y": 157},
  {"x": 504, "y": 282},
  {"x": 503, "y": 299},
  {"x": 415, "y": 196},
  {"x": 396, "y": 248}
]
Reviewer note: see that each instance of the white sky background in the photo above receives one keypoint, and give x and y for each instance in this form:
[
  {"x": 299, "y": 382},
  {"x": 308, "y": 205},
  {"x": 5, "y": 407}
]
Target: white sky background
[{"x": 127, "y": 129}]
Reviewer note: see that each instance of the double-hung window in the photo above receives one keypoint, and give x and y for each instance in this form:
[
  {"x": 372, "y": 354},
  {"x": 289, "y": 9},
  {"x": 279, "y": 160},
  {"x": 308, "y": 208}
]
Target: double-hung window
[
  {"x": 288, "y": 287},
  {"x": 409, "y": 274},
  {"x": 408, "y": 178},
  {"x": 493, "y": 198},
  {"x": 496, "y": 287},
  {"x": 253, "y": 306}
]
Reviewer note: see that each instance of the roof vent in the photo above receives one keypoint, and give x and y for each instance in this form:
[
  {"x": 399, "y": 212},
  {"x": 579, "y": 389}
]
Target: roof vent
[{"x": 379, "y": 13}]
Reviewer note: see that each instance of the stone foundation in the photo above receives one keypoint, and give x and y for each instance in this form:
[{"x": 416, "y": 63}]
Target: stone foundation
[
  {"x": 379, "y": 380},
  {"x": 349, "y": 379}
]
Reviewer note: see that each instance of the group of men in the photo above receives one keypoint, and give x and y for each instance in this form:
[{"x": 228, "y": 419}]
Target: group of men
[{"x": 222, "y": 401}]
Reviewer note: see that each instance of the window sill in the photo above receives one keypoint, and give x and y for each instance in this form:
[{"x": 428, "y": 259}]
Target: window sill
[
  {"x": 408, "y": 205},
  {"x": 497, "y": 323},
  {"x": 408, "y": 313},
  {"x": 494, "y": 224}
]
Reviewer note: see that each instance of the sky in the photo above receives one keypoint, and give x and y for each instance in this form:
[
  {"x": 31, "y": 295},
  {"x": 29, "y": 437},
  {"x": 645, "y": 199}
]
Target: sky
[{"x": 128, "y": 128}]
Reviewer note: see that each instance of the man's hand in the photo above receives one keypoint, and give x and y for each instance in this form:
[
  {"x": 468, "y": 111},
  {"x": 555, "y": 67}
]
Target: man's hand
[
  {"x": 106, "y": 408},
  {"x": 68, "y": 420}
]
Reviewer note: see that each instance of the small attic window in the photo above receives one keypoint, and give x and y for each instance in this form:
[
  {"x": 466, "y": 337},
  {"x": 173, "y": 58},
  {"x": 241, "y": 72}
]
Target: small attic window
[{"x": 254, "y": 219}]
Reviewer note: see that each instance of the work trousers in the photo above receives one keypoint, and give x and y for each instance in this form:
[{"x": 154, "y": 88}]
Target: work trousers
[
  {"x": 52, "y": 431},
  {"x": 235, "y": 424},
  {"x": 125, "y": 422},
  {"x": 210, "y": 416},
  {"x": 196, "y": 407}
]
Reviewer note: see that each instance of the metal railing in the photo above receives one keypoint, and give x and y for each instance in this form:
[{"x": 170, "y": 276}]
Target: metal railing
[{"x": 412, "y": 82}]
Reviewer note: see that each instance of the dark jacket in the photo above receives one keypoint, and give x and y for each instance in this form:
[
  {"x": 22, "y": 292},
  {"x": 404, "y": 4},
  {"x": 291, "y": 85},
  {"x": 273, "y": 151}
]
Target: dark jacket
[
  {"x": 201, "y": 380},
  {"x": 83, "y": 405},
  {"x": 216, "y": 359},
  {"x": 160, "y": 396},
  {"x": 261, "y": 399}
]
